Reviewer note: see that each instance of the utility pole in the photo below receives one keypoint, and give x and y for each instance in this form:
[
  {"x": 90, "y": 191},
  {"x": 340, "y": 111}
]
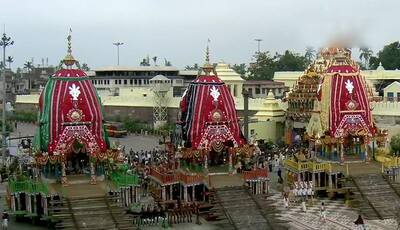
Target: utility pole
[
  {"x": 258, "y": 40},
  {"x": 5, "y": 41},
  {"x": 117, "y": 44}
]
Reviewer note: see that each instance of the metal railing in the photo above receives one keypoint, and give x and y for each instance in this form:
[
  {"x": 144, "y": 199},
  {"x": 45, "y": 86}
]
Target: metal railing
[
  {"x": 394, "y": 162},
  {"x": 308, "y": 165},
  {"x": 124, "y": 180},
  {"x": 28, "y": 186},
  {"x": 255, "y": 174}
]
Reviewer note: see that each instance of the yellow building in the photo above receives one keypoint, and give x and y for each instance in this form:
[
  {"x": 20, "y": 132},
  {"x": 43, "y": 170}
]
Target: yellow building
[
  {"x": 266, "y": 114},
  {"x": 392, "y": 92}
]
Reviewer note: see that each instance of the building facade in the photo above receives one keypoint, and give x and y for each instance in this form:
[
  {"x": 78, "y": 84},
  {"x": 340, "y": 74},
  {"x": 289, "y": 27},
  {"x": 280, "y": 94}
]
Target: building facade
[
  {"x": 261, "y": 88},
  {"x": 111, "y": 81}
]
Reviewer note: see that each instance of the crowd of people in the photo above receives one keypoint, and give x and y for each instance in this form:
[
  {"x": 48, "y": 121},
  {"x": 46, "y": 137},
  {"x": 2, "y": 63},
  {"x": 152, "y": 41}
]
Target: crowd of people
[{"x": 143, "y": 158}]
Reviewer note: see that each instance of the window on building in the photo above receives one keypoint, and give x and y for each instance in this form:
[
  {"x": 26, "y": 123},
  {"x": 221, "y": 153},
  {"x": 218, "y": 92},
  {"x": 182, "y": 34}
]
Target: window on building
[
  {"x": 390, "y": 96},
  {"x": 140, "y": 81},
  {"x": 120, "y": 82},
  {"x": 263, "y": 90},
  {"x": 279, "y": 90},
  {"x": 125, "y": 82},
  {"x": 250, "y": 91},
  {"x": 115, "y": 82},
  {"x": 135, "y": 82},
  {"x": 131, "y": 81},
  {"x": 257, "y": 90},
  {"x": 235, "y": 90}
]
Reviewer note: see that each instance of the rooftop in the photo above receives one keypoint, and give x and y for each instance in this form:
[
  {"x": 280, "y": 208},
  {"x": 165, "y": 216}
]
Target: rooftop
[
  {"x": 138, "y": 68},
  {"x": 264, "y": 82}
]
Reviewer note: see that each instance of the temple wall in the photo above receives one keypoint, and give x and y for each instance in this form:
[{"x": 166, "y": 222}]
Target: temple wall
[
  {"x": 386, "y": 108},
  {"x": 267, "y": 130},
  {"x": 139, "y": 99}
]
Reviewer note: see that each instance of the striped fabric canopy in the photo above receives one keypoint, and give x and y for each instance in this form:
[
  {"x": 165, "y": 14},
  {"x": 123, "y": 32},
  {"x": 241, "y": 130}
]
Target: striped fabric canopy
[
  {"x": 209, "y": 115},
  {"x": 348, "y": 99},
  {"x": 70, "y": 111}
]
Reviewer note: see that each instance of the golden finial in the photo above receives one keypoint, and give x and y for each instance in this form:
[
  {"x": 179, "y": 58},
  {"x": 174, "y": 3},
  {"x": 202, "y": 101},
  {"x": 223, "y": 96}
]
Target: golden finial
[
  {"x": 69, "y": 60},
  {"x": 208, "y": 52},
  {"x": 207, "y": 67},
  {"x": 69, "y": 42}
]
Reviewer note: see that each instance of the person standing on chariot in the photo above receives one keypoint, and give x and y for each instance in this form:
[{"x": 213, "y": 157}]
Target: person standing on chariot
[
  {"x": 301, "y": 188},
  {"x": 305, "y": 190},
  {"x": 295, "y": 189},
  {"x": 310, "y": 191}
]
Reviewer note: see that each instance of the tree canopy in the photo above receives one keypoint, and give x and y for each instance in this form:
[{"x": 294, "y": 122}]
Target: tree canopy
[
  {"x": 241, "y": 69},
  {"x": 263, "y": 68},
  {"x": 395, "y": 144},
  {"x": 389, "y": 56},
  {"x": 195, "y": 66},
  {"x": 365, "y": 54},
  {"x": 266, "y": 65}
]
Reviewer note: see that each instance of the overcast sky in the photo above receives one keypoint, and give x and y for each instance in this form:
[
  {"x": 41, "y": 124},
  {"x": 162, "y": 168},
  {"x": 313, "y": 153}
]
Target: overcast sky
[{"x": 178, "y": 29}]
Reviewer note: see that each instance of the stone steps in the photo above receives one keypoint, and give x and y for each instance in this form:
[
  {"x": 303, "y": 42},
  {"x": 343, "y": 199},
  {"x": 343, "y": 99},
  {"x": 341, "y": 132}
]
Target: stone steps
[
  {"x": 99, "y": 212},
  {"x": 376, "y": 197},
  {"x": 243, "y": 210}
]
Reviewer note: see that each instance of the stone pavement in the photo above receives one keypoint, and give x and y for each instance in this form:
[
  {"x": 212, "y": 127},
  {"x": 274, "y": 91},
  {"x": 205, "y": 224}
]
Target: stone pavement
[{"x": 338, "y": 216}]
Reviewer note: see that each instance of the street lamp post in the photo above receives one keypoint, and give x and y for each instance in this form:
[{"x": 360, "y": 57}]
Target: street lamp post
[
  {"x": 5, "y": 41},
  {"x": 117, "y": 44},
  {"x": 258, "y": 40}
]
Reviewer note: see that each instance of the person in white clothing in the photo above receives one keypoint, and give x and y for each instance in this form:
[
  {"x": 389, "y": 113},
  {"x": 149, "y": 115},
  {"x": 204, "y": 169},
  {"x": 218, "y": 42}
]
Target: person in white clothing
[
  {"x": 286, "y": 201},
  {"x": 322, "y": 212},
  {"x": 303, "y": 205}
]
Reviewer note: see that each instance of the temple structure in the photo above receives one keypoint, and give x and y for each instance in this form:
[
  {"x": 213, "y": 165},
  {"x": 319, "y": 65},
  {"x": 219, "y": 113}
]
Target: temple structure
[
  {"x": 330, "y": 104},
  {"x": 209, "y": 118},
  {"x": 208, "y": 133},
  {"x": 71, "y": 134},
  {"x": 329, "y": 117}
]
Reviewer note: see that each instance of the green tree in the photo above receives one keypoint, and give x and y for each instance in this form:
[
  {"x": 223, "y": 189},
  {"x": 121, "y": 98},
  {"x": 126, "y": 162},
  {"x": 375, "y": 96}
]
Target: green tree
[
  {"x": 28, "y": 66},
  {"x": 85, "y": 67},
  {"x": 145, "y": 61},
  {"x": 290, "y": 61},
  {"x": 9, "y": 60},
  {"x": 155, "y": 60},
  {"x": 373, "y": 62},
  {"x": 264, "y": 67},
  {"x": 365, "y": 55},
  {"x": 309, "y": 54},
  {"x": 195, "y": 66},
  {"x": 389, "y": 56},
  {"x": 395, "y": 144},
  {"x": 167, "y": 63},
  {"x": 240, "y": 69}
]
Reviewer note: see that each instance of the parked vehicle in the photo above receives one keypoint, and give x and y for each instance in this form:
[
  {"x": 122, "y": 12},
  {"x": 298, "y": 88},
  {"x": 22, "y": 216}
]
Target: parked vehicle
[{"x": 115, "y": 129}]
